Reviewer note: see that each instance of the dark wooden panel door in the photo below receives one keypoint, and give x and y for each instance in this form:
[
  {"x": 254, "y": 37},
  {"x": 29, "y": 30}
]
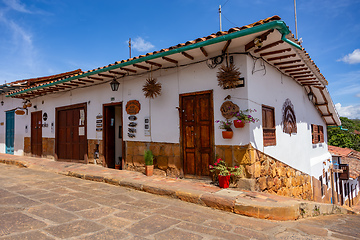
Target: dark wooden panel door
[
  {"x": 71, "y": 134},
  {"x": 197, "y": 133},
  {"x": 36, "y": 133}
]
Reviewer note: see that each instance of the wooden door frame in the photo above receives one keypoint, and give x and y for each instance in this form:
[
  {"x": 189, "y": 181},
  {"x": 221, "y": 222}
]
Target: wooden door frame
[
  {"x": 212, "y": 139},
  {"x": 70, "y": 107},
  {"x": 114, "y": 104},
  {"x": 31, "y": 139}
]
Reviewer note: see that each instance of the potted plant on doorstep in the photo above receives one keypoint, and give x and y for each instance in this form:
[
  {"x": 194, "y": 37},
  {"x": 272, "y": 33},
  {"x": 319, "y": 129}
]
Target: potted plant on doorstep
[
  {"x": 242, "y": 117},
  {"x": 149, "y": 163},
  {"x": 226, "y": 125},
  {"x": 226, "y": 174}
]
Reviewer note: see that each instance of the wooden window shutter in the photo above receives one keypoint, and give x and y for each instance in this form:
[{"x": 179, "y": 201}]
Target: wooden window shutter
[
  {"x": 321, "y": 133},
  {"x": 269, "y": 135}
]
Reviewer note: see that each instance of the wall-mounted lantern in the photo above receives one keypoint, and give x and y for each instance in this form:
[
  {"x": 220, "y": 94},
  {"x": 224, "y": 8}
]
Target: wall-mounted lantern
[{"x": 114, "y": 85}]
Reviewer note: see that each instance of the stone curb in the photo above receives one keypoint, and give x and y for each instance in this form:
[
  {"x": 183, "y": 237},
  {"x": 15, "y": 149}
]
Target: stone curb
[{"x": 284, "y": 211}]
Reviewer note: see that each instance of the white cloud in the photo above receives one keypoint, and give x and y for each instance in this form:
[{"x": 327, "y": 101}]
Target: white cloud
[
  {"x": 16, "y": 5},
  {"x": 352, "y": 58},
  {"x": 352, "y": 112},
  {"x": 141, "y": 45}
]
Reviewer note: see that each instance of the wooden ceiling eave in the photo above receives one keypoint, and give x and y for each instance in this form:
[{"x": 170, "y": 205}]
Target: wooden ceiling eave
[
  {"x": 187, "y": 55},
  {"x": 287, "y": 62},
  {"x": 202, "y": 49},
  {"x": 275, "y": 52},
  {"x": 292, "y": 66},
  {"x": 95, "y": 78},
  {"x": 281, "y": 57},
  {"x": 274, "y": 44},
  {"x": 128, "y": 70},
  {"x": 170, "y": 60},
  {"x": 225, "y": 48},
  {"x": 117, "y": 73},
  {"x": 105, "y": 75},
  {"x": 262, "y": 37},
  {"x": 141, "y": 67},
  {"x": 86, "y": 80},
  {"x": 296, "y": 70},
  {"x": 299, "y": 73}
]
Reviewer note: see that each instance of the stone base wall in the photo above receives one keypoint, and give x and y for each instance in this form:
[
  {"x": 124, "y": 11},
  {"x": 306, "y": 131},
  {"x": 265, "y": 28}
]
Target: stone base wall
[
  {"x": 48, "y": 147},
  {"x": 269, "y": 174},
  {"x": 27, "y": 145},
  {"x": 91, "y": 151},
  {"x": 166, "y": 157}
]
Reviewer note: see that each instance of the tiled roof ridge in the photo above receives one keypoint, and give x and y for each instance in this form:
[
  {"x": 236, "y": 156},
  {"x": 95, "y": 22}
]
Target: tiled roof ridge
[{"x": 343, "y": 152}]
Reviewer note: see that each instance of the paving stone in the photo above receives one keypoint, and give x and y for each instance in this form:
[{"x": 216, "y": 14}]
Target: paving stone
[
  {"x": 151, "y": 225},
  {"x": 73, "y": 229},
  {"x": 105, "y": 201},
  {"x": 114, "y": 222},
  {"x": 96, "y": 213},
  {"x": 18, "y": 222},
  {"x": 58, "y": 199},
  {"x": 110, "y": 234},
  {"x": 34, "y": 235},
  {"x": 78, "y": 205},
  {"x": 131, "y": 215},
  {"x": 146, "y": 204},
  {"x": 180, "y": 215},
  {"x": 218, "y": 225},
  {"x": 122, "y": 198},
  {"x": 209, "y": 231},
  {"x": 10, "y": 209},
  {"x": 18, "y": 201},
  {"x": 52, "y": 213},
  {"x": 316, "y": 231},
  {"x": 5, "y": 194},
  {"x": 255, "y": 224},
  {"x": 30, "y": 192},
  {"x": 176, "y": 234},
  {"x": 250, "y": 233}
]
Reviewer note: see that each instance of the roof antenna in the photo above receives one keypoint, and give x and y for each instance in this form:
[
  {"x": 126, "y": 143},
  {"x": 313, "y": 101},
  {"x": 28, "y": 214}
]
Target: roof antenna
[
  {"x": 296, "y": 31},
  {"x": 130, "y": 47},
  {"x": 220, "y": 16}
]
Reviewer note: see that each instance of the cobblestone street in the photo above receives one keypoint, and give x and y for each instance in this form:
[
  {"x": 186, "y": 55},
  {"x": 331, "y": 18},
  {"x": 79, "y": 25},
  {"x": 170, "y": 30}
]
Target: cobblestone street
[{"x": 43, "y": 205}]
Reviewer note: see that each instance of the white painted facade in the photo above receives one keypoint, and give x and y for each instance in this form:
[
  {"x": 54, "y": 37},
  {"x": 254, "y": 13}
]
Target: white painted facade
[{"x": 262, "y": 86}]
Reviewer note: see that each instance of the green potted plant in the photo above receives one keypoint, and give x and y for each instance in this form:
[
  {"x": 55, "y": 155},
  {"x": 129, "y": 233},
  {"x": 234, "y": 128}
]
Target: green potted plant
[
  {"x": 242, "y": 117},
  {"x": 149, "y": 163},
  {"x": 226, "y": 174},
  {"x": 226, "y": 125}
]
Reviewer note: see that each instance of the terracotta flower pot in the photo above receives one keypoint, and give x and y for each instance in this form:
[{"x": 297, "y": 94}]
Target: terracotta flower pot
[
  {"x": 149, "y": 170},
  {"x": 117, "y": 166},
  {"x": 239, "y": 124},
  {"x": 224, "y": 181},
  {"x": 227, "y": 134}
]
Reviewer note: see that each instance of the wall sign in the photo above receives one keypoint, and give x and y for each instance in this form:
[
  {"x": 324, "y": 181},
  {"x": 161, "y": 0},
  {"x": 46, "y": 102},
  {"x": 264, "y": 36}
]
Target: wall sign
[
  {"x": 133, "y": 107},
  {"x": 228, "y": 109},
  {"x": 45, "y": 117}
]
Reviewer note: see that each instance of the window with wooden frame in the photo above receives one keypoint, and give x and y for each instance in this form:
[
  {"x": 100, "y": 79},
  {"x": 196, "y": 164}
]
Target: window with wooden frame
[
  {"x": 268, "y": 124},
  {"x": 317, "y": 132}
]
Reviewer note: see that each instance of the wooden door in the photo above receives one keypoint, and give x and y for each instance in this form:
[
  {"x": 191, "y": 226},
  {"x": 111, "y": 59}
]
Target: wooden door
[
  {"x": 36, "y": 133},
  {"x": 109, "y": 136},
  {"x": 10, "y": 129},
  {"x": 71, "y": 140},
  {"x": 197, "y": 130}
]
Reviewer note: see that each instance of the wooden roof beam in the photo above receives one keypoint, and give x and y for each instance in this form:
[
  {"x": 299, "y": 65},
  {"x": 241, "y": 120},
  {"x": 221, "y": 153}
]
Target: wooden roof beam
[
  {"x": 281, "y": 57},
  {"x": 170, "y": 60},
  {"x": 303, "y": 76},
  {"x": 141, "y": 67},
  {"x": 96, "y": 78},
  {"x": 204, "y": 51},
  {"x": 154, "y": 63},
  {"x": 187, "y": 55},
  {"x": 71, "y": 84},
  {"x": 86, "y": 80},
  {"x": 78, "y": 82},
  {"x": 292, "y": 66},
  {"x": 287, "y": 62},
  {"x": 298, "y": 73},
  {"x": 274, "y": 44},
  {"x": 321, "y": 104},
  {"x": 296, "y": 70},
  {"x": 117, "y": 73},
  {"x": 262, "y": 37},
  {"x": 128, "y": 70},
  {"x": 106, "y": 75},
  {"x": 275, "y": 52},
  {"x": 305, "y": 79},
  {"x": 227, "y": 44}
]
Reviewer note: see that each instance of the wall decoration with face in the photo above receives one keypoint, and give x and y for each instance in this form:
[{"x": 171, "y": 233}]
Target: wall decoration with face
[{"x": 288, "y": 117}]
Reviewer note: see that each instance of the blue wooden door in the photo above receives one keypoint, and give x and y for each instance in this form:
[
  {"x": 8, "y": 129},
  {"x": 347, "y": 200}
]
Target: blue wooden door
[{"x": 10, "y": 126}]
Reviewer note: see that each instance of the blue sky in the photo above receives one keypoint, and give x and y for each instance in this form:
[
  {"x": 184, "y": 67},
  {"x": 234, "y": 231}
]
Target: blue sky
[{"x": 45, "y": 37}]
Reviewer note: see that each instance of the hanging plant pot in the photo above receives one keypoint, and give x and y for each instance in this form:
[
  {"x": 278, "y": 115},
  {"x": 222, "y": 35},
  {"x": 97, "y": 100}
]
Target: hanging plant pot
[
  {"x": 227, "y": 134},
  {"x": 239, "y": 124},
  {"x": 224, "y": 181}
]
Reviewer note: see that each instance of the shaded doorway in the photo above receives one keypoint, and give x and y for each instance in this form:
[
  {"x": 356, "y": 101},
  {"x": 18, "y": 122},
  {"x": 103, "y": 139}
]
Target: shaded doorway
[
  {"x": 113, "y": 135},
  {"x": 9, "y": 134},
  {"x": 70, "y": 136},
  {"x": 197, "y": 132},
  {"x": 36, "y": 133}
]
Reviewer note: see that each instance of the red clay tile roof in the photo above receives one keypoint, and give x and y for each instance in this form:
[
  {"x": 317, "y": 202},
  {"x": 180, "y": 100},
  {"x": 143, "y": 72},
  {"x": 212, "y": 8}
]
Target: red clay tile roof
[{"x": 342, "y": 152}]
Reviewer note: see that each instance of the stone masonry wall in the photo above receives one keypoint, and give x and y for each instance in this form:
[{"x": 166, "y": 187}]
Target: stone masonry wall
[
  {"x": 166, "y": 157},
  {"x": 91, "y": 150},
  {"x": 269, "y": 174}
]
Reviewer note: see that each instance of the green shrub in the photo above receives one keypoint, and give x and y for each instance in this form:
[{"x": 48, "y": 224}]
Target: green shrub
[{"x": 149, "y": 157}]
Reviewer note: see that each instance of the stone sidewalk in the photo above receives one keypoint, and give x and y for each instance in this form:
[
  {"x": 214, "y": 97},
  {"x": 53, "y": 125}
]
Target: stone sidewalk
[{"x": 253, "y": 204}]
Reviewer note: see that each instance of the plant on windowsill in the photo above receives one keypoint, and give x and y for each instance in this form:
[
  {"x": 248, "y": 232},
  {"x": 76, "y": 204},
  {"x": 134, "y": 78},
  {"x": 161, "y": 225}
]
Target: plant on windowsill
[
  {"x": 149, "y": 162},
  {"x": 225, "y": 174},
  {"x": 242, "y": 117},
  {"x": 226, "y": 125}
]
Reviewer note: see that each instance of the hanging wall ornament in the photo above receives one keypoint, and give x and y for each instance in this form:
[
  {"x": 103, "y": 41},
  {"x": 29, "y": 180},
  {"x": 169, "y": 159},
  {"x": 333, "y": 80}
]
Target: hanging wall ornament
[
  {"x": 288, "y": 118},
  {"x": 151, "y": 88},
  {"x": 228, "y": 76}
]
